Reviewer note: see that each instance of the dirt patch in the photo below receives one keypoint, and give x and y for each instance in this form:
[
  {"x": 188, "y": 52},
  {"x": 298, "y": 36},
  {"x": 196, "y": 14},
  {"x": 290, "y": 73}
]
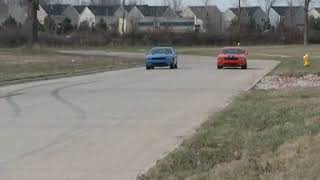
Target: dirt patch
[{"x": 288, "y": 81}]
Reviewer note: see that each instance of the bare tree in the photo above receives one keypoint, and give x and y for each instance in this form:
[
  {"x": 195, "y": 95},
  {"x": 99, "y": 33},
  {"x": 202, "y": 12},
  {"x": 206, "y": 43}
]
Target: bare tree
[
  {"x": 123, "y": 15},
  {"x": 290, "y": 5},
  {"x": 33, "y": 7},
  {"x": 268, "y": 6},
  {"x": 176, "y": 5},
  {"x": 306, "y": 21},
  {"x": 205, "y": 2},
  {"x": 239, "y": 16},
  {"x": 132, "y": 2}
]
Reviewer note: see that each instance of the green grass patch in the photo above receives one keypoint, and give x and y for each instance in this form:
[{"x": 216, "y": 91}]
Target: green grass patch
[{"x": 255, "y": 124}]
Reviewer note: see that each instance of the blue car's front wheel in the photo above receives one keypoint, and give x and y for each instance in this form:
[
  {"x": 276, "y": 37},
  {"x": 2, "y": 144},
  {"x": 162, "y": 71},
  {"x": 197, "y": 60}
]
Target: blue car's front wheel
[
  {"x": 174, "y": 66},
  {"x": 148, "y": 67}
]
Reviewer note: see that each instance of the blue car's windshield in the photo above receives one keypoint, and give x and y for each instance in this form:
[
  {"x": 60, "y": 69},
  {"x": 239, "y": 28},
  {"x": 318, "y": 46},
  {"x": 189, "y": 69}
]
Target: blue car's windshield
[{"x": 161, "y": 51}]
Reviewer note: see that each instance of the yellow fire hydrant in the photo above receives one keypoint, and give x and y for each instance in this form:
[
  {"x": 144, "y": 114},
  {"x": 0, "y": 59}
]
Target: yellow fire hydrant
[{"x": 306, "y": 60}]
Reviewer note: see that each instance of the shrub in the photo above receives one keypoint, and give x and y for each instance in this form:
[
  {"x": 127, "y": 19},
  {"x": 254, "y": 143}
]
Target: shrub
[
  {"x": 10, "y": 22},
  {"x": 84, "y": 26},
  {"x": 49, "y": 24},
  {"x": 102, "y": 25},
  {"x": 12, "y": 38},
  {"x": 65, "y": 27},
  {"x": 315, "y": 23}
]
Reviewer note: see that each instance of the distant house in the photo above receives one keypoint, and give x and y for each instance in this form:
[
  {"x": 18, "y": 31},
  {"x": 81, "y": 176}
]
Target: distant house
[
  {"x": 207, "y": 18},
  {"x": 157, "y": 11},
  {"x": 54, "y": 11},
  {"x": 288, "y": 16},
  {"x": 247, "y": 14},
  {"x": 177, "y": 25},
  {"x": 315, "y": 13},
  {"x": 102, "y": 12},
  {"x": 144, "y": 17},
  {"x": 18, "y": 11},
  {"x": 85, "y": 15},
  {"x": 109, "y": 14},
  {"x": 134, "y": 13}
]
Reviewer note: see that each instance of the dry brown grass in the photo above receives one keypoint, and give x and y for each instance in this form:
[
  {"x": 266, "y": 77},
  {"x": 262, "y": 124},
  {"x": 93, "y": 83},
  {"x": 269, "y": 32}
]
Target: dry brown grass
[
  {"x": 16, "y": 64},
  {"x": 294, "y": 160},
  {"x": 261, "y": 135}
]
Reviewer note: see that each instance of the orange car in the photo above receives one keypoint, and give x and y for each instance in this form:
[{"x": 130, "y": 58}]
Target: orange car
[{"x": 232, "y": 57}]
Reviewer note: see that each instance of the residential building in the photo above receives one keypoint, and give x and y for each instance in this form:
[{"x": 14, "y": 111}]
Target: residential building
[
  {"x": 54, "y": 11},
  {"x": 157, "y": 11},
  {"x": 177, "y": 25},
  {"x": 85, "y": 15},
  {"x": 134, "y": 16},
  {"x": 206, "y": 18},
  {"x": 288, "y": 16},
  {"x": 144, "y": 17},
  {"x": 247, "y": 16},
  {"x": 18, "y": 11},
  {"x": 109, "y": 14},
  {"x": 315, "y": 12}
]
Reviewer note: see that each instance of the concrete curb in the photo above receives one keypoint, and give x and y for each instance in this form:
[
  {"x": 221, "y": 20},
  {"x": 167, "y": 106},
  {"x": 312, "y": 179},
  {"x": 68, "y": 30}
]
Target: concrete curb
[{"x": 264, "y": 75}]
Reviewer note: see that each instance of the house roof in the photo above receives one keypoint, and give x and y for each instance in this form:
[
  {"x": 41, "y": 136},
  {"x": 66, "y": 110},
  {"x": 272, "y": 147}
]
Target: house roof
[
  {"x": 55, "y": 9},
  {"x": 317, "y": 9},
  {"x": 79, "y": 9},
  {"x": 103, "y": 10},
  {"x": 285, "y": 10},
  {"x": 152, "y": 10},
  {"x": 203, "y": 11},
  {"x": 128, "y": 8},
  {"x": 245, "y": 11}
]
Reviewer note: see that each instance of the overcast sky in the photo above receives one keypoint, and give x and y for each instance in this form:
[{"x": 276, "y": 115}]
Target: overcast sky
[{"x": 223, "y": 4}]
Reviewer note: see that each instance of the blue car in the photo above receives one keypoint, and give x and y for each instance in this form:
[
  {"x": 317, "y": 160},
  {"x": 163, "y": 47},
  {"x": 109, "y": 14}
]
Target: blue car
[{"x": 161, "y": 57}]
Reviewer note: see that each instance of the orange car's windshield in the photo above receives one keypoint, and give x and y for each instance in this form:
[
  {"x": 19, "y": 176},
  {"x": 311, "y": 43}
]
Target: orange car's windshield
[{"x": 232, "y": 51}]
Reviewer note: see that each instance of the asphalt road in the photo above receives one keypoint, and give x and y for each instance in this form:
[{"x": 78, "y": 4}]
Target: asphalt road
[{"x": 111, "y": 125}]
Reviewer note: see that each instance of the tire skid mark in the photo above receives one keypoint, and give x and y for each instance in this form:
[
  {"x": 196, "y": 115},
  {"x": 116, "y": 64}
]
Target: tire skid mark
[
  {"x": 56, "y": 141},
  {"x": 9, "y": 98},
  {"x": 81, "y": 115}
]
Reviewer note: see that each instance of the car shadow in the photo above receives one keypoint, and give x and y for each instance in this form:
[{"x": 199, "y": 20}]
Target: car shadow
[
  {"x": 248, "y": 69},
  {"x": 166, "y": 68}
]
